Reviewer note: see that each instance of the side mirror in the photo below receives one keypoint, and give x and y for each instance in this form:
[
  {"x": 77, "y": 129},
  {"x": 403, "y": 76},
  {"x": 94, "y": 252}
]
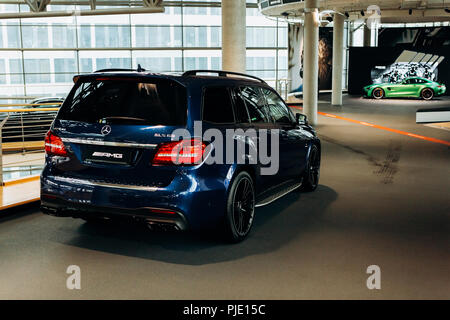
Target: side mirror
[{"x": 301, "y": 119}]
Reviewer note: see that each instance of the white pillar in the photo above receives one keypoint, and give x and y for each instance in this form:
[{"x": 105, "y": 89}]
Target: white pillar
[
  {"x": 311, "y": 61},
  {"x": 338, "y": 59},
  {"x": 233, "y": 35}
]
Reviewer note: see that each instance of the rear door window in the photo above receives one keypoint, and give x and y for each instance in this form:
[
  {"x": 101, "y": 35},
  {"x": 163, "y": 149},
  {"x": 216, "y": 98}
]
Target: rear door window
[
  {"x": 255, "y": 104},
  {"x": 217, "y": 105},
  {"x": 240, "y": 110},
  {"x": 126, "y": 101}
]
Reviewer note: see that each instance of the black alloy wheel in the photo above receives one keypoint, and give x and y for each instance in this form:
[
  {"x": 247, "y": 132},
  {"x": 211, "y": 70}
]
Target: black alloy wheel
[
  {"x": 240, "y": 208},
  {"x": 312, "y": 172}
]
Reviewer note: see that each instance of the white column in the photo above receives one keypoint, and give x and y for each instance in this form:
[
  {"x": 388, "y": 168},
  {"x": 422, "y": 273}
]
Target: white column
[
  {"x": 233, "y": 35},
  {"x": 311, "y": 61},
  {"x": 338, "y": 59}
]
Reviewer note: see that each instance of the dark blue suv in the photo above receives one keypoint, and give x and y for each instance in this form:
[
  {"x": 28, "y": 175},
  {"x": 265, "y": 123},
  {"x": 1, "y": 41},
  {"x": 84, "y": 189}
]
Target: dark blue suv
[{"x": 138, "y": 145}]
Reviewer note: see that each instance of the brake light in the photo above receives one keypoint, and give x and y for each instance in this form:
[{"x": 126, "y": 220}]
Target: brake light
[
  {"x": 163, "y": 211},
  {"x": 184, "y": 152},
  {"x": 54, "y": 145}
]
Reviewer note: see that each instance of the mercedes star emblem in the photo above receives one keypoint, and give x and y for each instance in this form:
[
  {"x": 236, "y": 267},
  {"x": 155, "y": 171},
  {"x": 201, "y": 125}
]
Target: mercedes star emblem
[{"x": 106, "y": 130}]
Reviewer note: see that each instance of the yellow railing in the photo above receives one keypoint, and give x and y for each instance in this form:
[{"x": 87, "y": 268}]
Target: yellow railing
[
  {"x": 22, "y": 129},
  {"x": 29, "y": 104},
  {"x": 8, "y": 107},
  {"x": 28, "y": 109}
]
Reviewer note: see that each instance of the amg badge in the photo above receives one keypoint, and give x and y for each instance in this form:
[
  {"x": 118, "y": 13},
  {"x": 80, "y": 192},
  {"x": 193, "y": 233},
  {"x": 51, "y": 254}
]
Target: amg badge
[{"x": 108, "y": 155}]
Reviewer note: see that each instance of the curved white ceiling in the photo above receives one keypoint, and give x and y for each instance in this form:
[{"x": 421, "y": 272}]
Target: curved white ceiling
[{"x": 392, "y": 11}]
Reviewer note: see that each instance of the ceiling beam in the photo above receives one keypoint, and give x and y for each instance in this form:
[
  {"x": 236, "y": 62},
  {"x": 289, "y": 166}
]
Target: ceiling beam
[
  {"x": 422, "y": 4},
  {"x": 37, "y": 5},
  {"x": 130, "y": 3},
  {"x": 97, "y": 12},
  {"x": 152, "y": 3}
]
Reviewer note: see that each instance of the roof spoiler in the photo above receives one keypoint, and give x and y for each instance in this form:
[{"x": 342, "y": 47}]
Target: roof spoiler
[
  {"x": 222, "y": 73},
  {"x": 139, "y": 69}
]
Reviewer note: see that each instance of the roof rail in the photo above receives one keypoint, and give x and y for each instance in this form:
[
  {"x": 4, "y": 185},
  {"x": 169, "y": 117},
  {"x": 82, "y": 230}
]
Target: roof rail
[
  {"x": 221, "y": 73},
  {"x": 139, "y": 69}
]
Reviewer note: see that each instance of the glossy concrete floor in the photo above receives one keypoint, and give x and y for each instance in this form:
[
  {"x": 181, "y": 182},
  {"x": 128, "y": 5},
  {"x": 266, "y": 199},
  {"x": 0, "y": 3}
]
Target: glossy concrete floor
[{"x": 383, "y": 199}]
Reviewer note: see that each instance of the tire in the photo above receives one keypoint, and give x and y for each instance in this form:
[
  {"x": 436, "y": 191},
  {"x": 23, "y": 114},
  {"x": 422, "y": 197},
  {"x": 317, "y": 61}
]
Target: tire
[
  {"x": 311, "y": 176},
  {"x": 240, "y": 208},
  {"x": 378, "y": 93},
  {"x": 427, "y": 94}
]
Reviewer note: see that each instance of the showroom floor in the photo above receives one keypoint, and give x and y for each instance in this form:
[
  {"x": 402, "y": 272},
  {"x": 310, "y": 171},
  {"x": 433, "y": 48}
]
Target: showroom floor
[{"x": 383, "y": 200}]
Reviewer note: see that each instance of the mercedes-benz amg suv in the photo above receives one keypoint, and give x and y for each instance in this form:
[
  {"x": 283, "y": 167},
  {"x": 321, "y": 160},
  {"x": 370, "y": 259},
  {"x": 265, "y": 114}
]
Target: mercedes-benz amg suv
[{"x": 115, "y": 150}]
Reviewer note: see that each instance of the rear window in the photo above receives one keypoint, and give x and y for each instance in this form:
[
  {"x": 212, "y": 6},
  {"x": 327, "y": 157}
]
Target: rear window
[{"x": 127, "y": 101}]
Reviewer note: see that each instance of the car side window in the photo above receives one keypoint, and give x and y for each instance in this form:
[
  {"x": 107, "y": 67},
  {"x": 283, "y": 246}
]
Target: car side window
[
  {"x": 277, "y": 108},
  {"x": 240, "y": 110},
  {"x": 255, "y": 104},
  {"x": 217, "y": 105}
]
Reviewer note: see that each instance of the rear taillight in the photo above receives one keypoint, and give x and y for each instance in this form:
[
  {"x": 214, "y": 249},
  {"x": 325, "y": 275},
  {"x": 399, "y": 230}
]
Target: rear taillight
[
  {"x": 163, "y": 211},
  {"x": 184, "y": 152},
  {"x": 54, "y": 145}
]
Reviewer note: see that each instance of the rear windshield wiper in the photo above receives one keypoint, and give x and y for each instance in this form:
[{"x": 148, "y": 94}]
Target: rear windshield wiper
[{"x": 121, "y": 119}]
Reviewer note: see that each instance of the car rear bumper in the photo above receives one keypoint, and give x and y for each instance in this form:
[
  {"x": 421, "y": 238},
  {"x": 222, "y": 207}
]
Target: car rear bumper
[
  {"x": 188, "y": 202},
  {"x": 440, "y": 91},
  {"x": 56, "y": 206},
  {"x": 365, "y": 92}
]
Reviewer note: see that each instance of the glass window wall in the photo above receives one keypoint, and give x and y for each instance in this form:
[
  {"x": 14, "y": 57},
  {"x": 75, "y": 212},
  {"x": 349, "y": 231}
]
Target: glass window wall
[{"x": 40, "y": 56}]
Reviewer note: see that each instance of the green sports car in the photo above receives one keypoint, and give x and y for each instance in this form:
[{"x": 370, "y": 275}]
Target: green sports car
[{"x": 412, "y": 87}]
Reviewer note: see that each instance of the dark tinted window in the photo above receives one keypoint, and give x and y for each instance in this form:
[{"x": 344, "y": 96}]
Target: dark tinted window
[
  {"x": 277, "y": 109},
  {"x": 240, "y": 110},
  {"x": 217, "y": 106},
  {"x": 255, "y": 104},
  {"x": 127, "y": 101}
]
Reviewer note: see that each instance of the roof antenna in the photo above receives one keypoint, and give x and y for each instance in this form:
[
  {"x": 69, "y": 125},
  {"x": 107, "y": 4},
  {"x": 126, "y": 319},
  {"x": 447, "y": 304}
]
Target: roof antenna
[{"x": 140, "y": 69}]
